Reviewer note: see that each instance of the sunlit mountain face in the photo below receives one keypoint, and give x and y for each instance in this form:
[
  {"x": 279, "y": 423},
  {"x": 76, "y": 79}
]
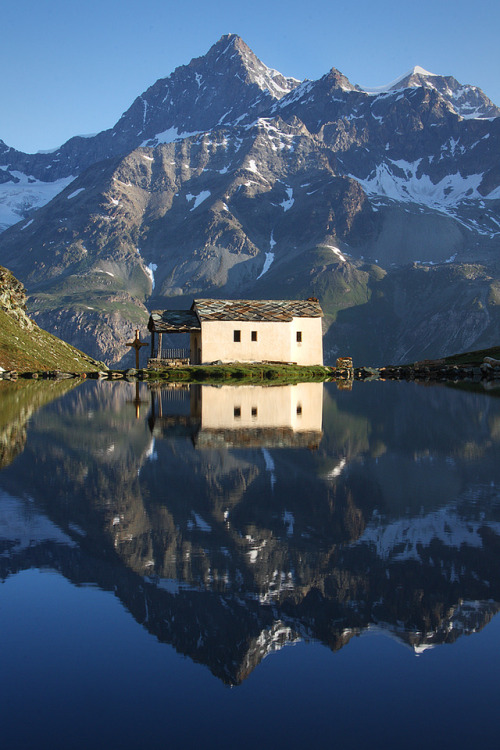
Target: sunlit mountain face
[{"x": 230, "y": 528}]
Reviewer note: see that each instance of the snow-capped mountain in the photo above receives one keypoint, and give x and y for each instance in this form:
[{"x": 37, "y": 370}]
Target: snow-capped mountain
[
  {"x": 467, "y": 101},
  {"x": 229, "y": 179}
]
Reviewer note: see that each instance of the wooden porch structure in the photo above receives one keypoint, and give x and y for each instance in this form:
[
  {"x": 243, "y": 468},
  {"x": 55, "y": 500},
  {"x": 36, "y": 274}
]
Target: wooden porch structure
[{"x": 173, "y": 322}]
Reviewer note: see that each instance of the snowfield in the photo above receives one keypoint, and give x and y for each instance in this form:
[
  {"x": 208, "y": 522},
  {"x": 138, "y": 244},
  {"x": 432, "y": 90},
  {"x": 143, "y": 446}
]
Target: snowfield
[{"x": 18, "y": 198}]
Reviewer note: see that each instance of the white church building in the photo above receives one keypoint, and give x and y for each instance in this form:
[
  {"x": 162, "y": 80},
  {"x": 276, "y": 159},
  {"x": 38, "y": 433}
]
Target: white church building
[{"x": 241, "y": 331}]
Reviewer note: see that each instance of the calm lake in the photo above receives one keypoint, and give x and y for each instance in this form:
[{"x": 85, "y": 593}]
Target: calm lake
[{"x": 243, "y": 567}]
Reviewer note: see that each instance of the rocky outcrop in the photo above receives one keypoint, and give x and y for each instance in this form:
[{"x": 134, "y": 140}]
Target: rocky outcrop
[
  {"x": 26, "y": 347},
  {"x": 13, "y": 298}
]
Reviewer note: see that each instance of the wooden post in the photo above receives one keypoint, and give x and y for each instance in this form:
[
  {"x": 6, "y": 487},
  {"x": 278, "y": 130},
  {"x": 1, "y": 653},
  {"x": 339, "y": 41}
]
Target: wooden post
[
  {"x": 136, "y": 344},
  {"x": 152, "y": 344}
]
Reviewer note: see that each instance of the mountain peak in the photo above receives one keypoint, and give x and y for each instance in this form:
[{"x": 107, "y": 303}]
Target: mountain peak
[
  {"x": 231, "y": 53},
  {"x": 418, "y": 71},
  {"x": 339, "y": 79},
  {"x": 228, "y": 84},
  {"x": 467, "y": 101},
  {"x": 226, "y": 44},
  {"x": 409, "y": 79}
]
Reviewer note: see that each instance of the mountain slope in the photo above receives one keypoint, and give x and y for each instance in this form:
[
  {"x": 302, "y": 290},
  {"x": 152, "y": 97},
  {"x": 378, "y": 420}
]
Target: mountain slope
[{"x": 26, "y": 347}]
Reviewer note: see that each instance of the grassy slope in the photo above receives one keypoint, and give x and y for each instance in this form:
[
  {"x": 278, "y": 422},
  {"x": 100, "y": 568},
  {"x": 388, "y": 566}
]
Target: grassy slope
[{"x": 29, "y": 350}]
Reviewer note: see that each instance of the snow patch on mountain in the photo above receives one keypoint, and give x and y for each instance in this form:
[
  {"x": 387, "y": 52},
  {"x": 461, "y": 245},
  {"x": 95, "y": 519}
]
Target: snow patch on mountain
[
  {"x": 399, "y": 180},
  {"x": 252, "y": 166},
  {"x": 277, "y": 138},
  {"x": 267, "y": 264},
  {"x": 494, "y": 195},
  {"x": 18, "y": 198},
  {"x": 75, "y": 193},
  {"x": 150, "y": 269},
  {"x": 198, "y": 198},
  {"x": 336, "y": 251},
  {"x": 288, "y": 203},
  {"x": 300, "y": 92},
  {"x": 168, "y": 136}
]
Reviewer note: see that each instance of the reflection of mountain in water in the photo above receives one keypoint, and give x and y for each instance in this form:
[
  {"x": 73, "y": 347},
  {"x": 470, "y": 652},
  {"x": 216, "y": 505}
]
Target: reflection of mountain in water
[
  {"x": 230, "y": 553},
  {"x": 18, "y": 401}
]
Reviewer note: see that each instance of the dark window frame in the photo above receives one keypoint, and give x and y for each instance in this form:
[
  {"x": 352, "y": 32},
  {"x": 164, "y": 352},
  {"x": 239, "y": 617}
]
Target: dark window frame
[
  {"x": 237, "y": 335},
  {"x": 253, "y": 335},
  {"x": 299, "y": 337}
]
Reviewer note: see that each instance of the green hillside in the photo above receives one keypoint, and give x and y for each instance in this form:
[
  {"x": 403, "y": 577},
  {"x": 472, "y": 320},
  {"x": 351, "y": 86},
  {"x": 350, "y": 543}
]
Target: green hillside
[{"x": 26, "y": 347}]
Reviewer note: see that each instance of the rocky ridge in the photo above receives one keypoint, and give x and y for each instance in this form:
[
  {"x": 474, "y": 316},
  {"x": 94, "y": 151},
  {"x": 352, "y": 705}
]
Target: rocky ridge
[{"x": 13, "y": 298}]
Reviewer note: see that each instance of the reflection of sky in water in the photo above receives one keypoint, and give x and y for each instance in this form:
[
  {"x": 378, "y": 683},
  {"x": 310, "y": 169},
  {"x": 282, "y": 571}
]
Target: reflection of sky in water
[{"x": 228, "y": 543}]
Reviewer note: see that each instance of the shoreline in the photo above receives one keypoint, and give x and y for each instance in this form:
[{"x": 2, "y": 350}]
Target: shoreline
[{"x": 427, "y": 371}]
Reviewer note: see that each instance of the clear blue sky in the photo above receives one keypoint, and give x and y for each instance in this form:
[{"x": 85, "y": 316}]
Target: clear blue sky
[{"x": 69, "y": 68}]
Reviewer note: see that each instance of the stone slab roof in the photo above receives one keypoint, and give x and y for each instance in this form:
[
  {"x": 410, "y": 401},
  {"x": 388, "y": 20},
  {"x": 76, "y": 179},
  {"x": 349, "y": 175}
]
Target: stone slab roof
[
  {"x": 173, "y": 321},
  {"x": 270, "y": 310}
]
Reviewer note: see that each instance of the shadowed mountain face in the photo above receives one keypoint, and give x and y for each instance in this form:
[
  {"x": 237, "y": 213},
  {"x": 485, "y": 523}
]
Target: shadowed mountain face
[
  {"x": 227, "y": 179},
  {"x": 230, "y": 550}
]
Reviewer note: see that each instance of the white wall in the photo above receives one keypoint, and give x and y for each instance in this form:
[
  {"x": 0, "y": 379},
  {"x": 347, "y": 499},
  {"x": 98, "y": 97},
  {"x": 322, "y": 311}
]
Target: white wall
[
  {"x": 310, "y": 350},
  {"x": 276, "y": 342}
]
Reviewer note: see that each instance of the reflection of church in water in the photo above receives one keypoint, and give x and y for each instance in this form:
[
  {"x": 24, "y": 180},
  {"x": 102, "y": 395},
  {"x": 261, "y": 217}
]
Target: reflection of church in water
[{"x": 245, "y": 416}]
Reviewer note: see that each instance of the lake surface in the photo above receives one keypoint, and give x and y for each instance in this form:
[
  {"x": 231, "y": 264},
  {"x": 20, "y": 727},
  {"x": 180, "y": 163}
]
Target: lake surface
[{"x": 276, "y": 567}]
